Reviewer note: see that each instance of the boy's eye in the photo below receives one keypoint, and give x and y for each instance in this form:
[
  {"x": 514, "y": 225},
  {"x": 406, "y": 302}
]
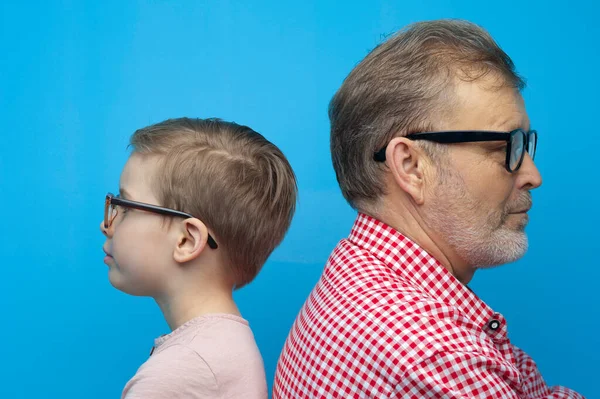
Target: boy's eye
[{"x": 120, "y": 210}]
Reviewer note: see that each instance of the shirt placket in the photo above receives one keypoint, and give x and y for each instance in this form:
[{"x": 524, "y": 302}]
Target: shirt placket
[{"x": 497, "y": 330}]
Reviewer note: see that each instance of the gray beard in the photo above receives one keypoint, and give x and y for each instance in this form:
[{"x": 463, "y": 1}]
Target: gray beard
[{"x": 480, "y": 241}]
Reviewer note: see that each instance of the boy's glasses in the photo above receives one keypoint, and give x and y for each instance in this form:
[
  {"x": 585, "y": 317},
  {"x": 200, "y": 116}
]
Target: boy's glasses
[
  {"x": 112, "y": 204},
  {"x": 518, "y": 142}
]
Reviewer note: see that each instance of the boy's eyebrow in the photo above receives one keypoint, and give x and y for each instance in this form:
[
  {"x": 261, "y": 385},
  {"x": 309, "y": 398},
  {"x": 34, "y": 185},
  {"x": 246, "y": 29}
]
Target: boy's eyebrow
[{"x": 123, "y": 193}]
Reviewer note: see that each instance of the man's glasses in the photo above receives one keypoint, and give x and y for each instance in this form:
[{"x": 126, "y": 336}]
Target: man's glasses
[
  {"x": 518, "y": 142},
  {"x": 112, "y": 204}
]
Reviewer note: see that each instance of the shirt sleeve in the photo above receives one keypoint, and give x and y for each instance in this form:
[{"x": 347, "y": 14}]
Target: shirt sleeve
[
  {"x": 533, "y": 384},
  {"x": 454, "y": 375},
  {"x": 175, "y": 373}
]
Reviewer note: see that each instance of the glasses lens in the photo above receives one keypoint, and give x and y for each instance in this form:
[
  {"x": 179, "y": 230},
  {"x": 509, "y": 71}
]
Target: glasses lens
[
  {"x": 516, "y": 150},
  {"x": 532, "y": 144},
  {"x": 110, "y": 211}
]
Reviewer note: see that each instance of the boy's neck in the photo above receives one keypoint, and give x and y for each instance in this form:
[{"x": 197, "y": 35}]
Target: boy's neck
[{"x": 184, "y": 306}]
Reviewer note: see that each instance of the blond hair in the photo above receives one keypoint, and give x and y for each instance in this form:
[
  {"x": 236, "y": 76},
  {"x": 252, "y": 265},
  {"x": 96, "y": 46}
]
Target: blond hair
[{"x": 231, "y": 178}]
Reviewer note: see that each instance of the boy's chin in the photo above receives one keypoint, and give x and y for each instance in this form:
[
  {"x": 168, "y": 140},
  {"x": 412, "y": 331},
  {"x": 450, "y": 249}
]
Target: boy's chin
[{"x": 118, "y": 281}]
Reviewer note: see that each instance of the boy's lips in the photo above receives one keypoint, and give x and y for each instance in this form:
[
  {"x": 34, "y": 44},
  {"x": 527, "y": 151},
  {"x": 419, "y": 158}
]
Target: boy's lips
[{"x": 108, "y": 257}]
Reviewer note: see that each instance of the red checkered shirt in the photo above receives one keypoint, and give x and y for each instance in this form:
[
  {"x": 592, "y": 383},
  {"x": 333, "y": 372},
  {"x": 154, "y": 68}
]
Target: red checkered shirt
[{"x": 386, "y": 320}]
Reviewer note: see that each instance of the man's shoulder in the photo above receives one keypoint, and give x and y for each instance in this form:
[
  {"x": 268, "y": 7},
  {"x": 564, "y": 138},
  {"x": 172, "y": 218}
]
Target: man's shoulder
[
  {"x": 350, "y": 266},
  {"x": 361, "y": 299},
  {"x": 377, "y": 322},
  {"x": 358, "y": 275}
]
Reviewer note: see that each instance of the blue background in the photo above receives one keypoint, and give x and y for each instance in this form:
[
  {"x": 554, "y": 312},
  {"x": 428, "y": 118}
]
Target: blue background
[{"x": 76, "y": 79}]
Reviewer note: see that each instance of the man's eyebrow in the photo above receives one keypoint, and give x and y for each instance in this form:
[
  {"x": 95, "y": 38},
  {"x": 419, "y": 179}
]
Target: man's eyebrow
[{"x": 510, "y": 124}]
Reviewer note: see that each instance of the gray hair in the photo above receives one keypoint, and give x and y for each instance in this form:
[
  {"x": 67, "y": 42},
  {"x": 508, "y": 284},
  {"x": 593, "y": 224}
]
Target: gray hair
[{"x": 401, "y": 87}]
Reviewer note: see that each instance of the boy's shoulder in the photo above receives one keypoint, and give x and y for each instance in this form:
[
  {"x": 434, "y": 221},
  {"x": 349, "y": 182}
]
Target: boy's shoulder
[
  {"x": 210, "y": 336},
  {"x": 165, "y": 373},
  {"x": 199, "y": 355}
]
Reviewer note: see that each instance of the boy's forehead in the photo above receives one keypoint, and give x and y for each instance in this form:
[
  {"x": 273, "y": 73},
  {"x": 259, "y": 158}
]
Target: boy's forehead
[{"x": 137, "y": 177}]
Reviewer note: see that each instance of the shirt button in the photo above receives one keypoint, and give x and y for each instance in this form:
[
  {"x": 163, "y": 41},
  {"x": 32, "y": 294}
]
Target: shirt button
[{"x": 494, "y": 324}]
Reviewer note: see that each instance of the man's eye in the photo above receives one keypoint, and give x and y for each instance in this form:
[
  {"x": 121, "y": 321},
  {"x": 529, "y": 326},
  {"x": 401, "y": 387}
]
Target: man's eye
[{"x": 498, "y": 148}]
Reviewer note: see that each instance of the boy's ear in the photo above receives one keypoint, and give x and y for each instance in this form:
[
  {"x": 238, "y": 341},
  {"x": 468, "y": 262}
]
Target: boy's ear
[{"x": 191, "y": 242}]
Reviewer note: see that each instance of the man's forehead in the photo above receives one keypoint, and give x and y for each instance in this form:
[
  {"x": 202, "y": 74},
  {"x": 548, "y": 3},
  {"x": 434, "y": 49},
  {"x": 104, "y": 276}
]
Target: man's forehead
[{"x": 481, "y": 107}]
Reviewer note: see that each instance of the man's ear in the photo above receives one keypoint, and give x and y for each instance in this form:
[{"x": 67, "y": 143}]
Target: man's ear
[
  {"x": 191, "y": 241},
  {"x": 407, "y": 163}
]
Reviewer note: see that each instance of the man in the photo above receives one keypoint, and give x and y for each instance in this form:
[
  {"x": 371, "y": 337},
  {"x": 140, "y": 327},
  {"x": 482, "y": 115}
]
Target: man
[{"x": 432, "y": 145}]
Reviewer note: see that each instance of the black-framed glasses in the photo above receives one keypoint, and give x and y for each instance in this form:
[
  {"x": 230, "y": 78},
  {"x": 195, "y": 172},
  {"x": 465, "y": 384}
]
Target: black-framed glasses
[
  {"x": 518, "y": 142},
  {"x": 111, "y": 210}
]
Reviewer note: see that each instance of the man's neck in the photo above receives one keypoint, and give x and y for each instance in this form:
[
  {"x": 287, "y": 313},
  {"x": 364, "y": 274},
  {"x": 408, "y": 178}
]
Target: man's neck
[{"x": 408, "y": 222}]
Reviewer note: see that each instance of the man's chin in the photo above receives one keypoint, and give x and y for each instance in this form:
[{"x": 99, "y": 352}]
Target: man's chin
[
  {"x": 509, "y": 247},
  {"x": 517, "y": 221}
]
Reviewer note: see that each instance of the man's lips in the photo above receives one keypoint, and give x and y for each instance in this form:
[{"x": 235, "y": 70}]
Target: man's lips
[{"x": 523, "y": 211}]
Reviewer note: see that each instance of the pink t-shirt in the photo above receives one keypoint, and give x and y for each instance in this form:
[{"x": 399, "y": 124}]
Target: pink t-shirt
[{"x": 212, "y": 356}]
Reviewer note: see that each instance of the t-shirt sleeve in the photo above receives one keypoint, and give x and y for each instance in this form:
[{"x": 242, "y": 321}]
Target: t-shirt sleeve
[{"x": 177, "y": 372}]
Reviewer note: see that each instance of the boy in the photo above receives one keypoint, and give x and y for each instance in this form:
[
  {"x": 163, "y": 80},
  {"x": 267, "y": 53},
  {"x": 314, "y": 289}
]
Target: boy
[{"x": 202, "y": 205}]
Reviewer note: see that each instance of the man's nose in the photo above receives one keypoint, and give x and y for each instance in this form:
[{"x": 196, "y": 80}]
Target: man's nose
[{"x": 529, "y": 176}]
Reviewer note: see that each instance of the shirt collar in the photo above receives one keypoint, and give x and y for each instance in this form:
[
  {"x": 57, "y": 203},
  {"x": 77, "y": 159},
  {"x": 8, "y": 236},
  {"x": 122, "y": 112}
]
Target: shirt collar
[{"x": 417, "y": 267}]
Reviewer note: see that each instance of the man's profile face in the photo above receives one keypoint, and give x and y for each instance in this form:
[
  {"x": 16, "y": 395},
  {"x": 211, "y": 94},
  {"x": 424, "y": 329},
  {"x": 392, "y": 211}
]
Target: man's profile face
[{"x": 477, "y": 206}]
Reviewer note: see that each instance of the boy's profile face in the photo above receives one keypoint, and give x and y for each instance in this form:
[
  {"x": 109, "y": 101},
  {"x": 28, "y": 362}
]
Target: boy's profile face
[{"x": 139, "y": 247}]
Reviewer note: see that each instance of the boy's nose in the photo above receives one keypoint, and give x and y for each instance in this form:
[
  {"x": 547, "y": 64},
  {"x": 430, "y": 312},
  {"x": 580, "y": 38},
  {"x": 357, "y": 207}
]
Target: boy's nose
[{"x": 103, "y": 229}]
